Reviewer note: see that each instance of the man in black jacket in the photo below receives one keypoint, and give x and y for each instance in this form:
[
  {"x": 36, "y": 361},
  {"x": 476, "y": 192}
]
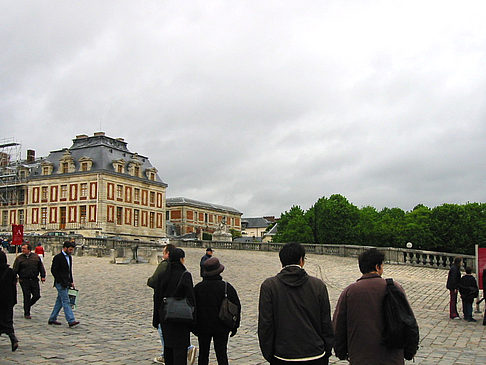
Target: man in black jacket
[
  {"x": 28, "y": 266},
  {"x": 453, "y": 279},
  {"x": 62, "y": 270},
  {"x": 294, "y": 319}
]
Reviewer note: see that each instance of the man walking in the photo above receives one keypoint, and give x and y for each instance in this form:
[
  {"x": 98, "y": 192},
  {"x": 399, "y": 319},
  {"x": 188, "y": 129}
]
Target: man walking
[
  {"x": 358, "y": 319},
  {"x": 294, "y": 319},
  {"x": 62, "y": 270},
  {"x": 28, "y": 266}
]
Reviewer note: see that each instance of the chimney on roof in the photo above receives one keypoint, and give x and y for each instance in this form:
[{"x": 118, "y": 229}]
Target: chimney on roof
[
  {"x": 30, "y": 156},
  {"x": 120, "y": 139},
  {"x": 99, "y": 134},
  {"x": 81, "y": 136}
]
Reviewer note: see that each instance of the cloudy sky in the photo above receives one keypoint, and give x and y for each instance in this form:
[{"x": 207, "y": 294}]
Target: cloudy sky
[{"x": 260, "y": 105}]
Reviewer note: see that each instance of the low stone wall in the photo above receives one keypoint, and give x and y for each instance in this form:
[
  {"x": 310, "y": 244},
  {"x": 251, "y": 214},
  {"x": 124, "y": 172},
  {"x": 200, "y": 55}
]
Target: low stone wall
[{"x": 122, "y": 251}]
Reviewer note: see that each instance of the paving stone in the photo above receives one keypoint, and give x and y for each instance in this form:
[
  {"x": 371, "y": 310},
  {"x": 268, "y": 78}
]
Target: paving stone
[{"x": 115, "y": 311}]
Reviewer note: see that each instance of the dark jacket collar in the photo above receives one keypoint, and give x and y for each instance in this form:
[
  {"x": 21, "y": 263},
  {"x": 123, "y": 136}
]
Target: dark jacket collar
[{"x": 369, "y": 276}]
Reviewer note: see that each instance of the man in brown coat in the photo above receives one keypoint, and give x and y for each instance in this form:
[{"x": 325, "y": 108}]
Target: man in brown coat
[{"x": 358, "y": 318}]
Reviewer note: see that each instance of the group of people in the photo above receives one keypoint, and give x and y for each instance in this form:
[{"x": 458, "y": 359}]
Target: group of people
[
  {"x": 467, "y": 287},
  {"x": 27, "y": 267},
  {"x": 171, "y": 279}
]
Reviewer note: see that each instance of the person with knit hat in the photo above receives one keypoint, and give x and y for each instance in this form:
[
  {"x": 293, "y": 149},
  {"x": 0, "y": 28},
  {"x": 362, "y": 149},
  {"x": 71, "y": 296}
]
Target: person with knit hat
[{"x": 210, "y": 292}]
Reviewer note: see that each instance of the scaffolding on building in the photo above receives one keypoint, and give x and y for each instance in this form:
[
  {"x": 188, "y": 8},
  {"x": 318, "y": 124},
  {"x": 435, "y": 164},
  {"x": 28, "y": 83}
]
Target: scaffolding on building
[{"x": 12, "y": 178}]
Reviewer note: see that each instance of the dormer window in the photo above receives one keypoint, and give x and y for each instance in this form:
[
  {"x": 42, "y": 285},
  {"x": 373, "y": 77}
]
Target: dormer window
[
  {"x": 66, "y": 163},
  {"x": 136, "y": 171},
  {"x": 151, "y": 173},
  {"x": 46, "y": 168},
  {"x": 85, "y": 164},
  {"x": 119, "y": 166}
]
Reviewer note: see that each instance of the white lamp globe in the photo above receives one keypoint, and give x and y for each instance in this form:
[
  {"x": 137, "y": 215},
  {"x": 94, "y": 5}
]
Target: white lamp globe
[{"x": 409, "y": 245}]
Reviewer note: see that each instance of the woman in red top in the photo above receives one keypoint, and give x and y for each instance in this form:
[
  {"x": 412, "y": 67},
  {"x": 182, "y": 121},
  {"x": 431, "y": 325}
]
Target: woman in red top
[{"x": 39, "y": 250}]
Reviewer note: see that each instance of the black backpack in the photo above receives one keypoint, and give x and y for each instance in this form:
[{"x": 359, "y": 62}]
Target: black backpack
[{"x": 401, "y": 329}]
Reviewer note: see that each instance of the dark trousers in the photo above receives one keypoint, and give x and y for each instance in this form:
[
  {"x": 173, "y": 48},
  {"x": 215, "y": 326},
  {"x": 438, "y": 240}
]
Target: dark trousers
[
  {"x": 220, "y": 347},
  {"x": 31, "y": 291},
  {"x": 175, "y": 355},
  {"x": 453, "y": 304},
  {"x": 322, "y": 361},
  {"x": 467, "y": 309},
  {"x": 6, "y": 320}
]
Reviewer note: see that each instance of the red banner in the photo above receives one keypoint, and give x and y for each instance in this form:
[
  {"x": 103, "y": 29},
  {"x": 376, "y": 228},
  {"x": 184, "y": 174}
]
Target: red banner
[
  {"x": 17, "y": 234},
  {"x": 481, "y": 265}
]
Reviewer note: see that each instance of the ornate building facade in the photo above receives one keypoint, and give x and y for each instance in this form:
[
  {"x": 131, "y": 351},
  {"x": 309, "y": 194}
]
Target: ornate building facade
[
  {"x": 97, "y": 187},
  {"x": 192, "y": 216}
]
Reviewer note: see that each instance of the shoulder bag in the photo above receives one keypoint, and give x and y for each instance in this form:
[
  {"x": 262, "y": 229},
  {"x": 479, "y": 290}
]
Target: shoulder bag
[
  {"x": 178, "y": 310},
  {"x": 228, "y": 312}
]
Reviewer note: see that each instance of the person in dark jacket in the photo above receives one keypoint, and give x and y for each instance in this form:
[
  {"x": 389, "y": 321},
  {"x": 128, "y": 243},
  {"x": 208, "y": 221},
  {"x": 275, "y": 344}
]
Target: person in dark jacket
[
  {"x": 208, "y": 255},
  {"x": 62, "y": 270},
  {"x": 28, "y": 266},
  {"x": 210, "y": 292},
  {"x": 453, "y": 285},
  {"x": 358, "y": 318},
  {"x": 8, "y": 299},
  {"x": 468, "y": 287},
  {"x": 176, "y": 281},
  {"x": 294, "y": 318}
]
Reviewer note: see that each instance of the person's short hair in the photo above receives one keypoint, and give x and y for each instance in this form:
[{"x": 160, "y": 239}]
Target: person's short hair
[
  {"x": 169, "y": 247},
  {"x": 39, "y": 244},
  {"x": 176, "y": 255},
  {"x": 369, "y": 259},
  {"x": 468, "y": 270},
  {"x": 209, "y": 249},
  {"x": 291, "y": 253},
  {"x": 457, "y": 261},
  {"x": 68, "y": 244},
  {"x": 28, "y": 246}
]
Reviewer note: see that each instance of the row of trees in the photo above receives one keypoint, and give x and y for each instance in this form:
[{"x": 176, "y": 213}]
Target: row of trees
[{"x": 334, "y": 220}]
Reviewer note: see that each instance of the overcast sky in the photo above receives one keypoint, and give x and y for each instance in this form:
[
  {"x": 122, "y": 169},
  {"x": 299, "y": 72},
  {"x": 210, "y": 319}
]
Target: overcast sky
[{"x": 260, "y": 105}]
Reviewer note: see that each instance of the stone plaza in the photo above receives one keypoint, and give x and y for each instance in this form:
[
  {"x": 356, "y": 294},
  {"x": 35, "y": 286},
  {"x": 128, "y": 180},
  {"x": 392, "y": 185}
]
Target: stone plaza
[{"x": 115, "y": 311}]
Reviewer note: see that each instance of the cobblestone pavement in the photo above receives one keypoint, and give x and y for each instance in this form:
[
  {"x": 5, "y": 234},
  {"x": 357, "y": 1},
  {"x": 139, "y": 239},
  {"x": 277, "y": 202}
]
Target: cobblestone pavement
[{"x": 115, "y": 310}]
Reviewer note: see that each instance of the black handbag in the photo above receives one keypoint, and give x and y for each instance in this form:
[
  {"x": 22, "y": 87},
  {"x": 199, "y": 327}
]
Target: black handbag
[
  {"x": 178, "y": 310},
  {"x": 228, "y": 312}
]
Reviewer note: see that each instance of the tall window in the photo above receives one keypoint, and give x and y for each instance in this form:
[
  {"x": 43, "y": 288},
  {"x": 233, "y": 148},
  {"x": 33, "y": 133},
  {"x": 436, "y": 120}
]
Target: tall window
[
  {"x": 65, "y": 167},
  {"x": 82, "y": 214},
  {"x": 84, "y": 190},
  {"x": 136, "y": 195},
  {"x": 63, "y": 191},
  {"x": 45, "y": 170},
  {"x": 4, "y": 217},
  {"x": 120, "y": 169},
  {"x": 119, "y": 215},
  {"x": 21, "y": 216},
  {"x": 152, "y": 198},
  {"x": 152, "y": 220},
  {"x": 136, "y": 171},
  {"x": 119, "y": 192},
  {"x": 43, "y": 215},
  {"x": 136, "y": 215},
  {"x": 44, "y": 193},
  {"x": 84, "y": 166}
]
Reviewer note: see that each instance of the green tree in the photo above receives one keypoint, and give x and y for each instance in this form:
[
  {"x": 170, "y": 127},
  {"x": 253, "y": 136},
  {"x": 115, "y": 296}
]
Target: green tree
[{"x": 292, "y": 227}]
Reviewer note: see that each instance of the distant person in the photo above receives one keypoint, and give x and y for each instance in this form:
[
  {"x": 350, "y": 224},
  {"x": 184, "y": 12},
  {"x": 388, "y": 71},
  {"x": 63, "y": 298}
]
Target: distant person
[
  {"x": 358, "y": 319},
  {"x": 468, "y": 288},
  {"x": 209, "y": 253},
  {"x": 62, "y": 270},
  {"x": 453, "y": 285},
  {"x": 5, "y": 245},
  {"x": 8, "y": 298},
  {"x": 210, "y": 293},
  {"x": 294, "y": 317},
  {"x": 39, "y": 250},
  {"x": 175, "y": 282},
  {"x": 484, "y": 295},
  {"x": 28, "y": 266}
]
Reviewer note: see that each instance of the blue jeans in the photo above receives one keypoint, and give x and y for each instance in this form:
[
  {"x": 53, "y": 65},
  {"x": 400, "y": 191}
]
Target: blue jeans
[
  {"x": 467, "y": 309},
  {"x": 159, "y": 329},
  {"x": 62, "y": 301}
]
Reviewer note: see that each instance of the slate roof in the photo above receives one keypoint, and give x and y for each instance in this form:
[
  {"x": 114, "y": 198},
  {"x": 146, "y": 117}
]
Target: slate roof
[
  {"x": 258, "y": 222},
  {"x": 178, "y": 201},
  {"x": 102, "y": 150}
]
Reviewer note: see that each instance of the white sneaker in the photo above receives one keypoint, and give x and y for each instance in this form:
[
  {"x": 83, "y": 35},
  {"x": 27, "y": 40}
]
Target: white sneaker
[
  {"x": 159, "y": 360},
  {"x": 191, "y": 355}
]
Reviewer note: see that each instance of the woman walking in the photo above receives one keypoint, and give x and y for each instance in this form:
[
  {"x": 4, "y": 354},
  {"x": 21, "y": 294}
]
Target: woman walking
[
  {"x": 209, "y": 294},
  {"x": 8, "y": 298},
  {"x": 175, "y": 282}
]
